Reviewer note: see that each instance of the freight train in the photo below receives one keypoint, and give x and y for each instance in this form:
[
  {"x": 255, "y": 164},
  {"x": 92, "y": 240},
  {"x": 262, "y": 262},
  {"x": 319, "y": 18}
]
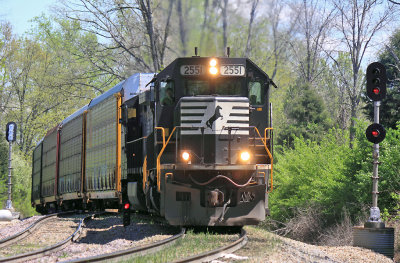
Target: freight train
[{"x": 192, "y": 144}]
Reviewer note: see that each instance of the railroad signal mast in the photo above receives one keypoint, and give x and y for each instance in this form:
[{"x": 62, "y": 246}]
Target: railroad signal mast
[
  {"x": 11, "y": 135},
  {"x": 375, "y": 133}
]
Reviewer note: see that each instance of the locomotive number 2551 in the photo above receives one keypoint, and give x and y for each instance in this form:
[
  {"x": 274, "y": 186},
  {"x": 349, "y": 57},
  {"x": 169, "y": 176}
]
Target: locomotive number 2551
[
  {"x": 232, "y": 70},
  {"x": 191, "y": 70}
]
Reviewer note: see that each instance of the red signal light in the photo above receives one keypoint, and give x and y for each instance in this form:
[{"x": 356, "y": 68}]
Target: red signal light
[
  {"x": 126, "y": 206},
  {"x": 375, "y": 133},
  {"x": 376, "y": 90}
]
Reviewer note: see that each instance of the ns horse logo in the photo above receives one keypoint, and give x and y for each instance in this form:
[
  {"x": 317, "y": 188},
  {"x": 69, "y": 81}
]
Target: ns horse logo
[{"x": 216, "y": 116}]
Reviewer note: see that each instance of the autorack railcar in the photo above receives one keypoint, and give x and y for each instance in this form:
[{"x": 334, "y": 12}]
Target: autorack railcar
[{"x": 192, "y": 143}]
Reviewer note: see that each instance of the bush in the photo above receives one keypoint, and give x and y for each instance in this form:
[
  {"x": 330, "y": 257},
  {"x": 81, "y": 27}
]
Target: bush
[
  {"x": 21, "y": 184},
  {"x": 310, "y": 173},
  {"x": 360, "y": 169},
  {"x": 330, "y": 175}
]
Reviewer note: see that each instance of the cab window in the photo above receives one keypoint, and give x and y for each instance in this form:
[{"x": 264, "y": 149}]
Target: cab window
[
  {"x": 228, "y": 87},
  {"x": 256, "y": 94},
  {"x": 197, "y": 87},
  {"x": 167, "y": 91}
]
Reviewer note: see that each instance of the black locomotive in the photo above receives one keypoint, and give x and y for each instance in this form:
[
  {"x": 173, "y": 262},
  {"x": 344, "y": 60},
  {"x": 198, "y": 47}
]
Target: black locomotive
[{"x": 192, "y": 143}]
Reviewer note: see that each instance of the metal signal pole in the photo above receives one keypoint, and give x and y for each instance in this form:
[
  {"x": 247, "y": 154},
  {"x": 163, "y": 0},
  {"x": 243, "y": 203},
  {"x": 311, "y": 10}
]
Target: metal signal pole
[
  {"x": 374, "y": 235},
  {"x": 11, "y": 134},
  {"x": 9, "y": 202},
  {"x": 375, "y": 212}
]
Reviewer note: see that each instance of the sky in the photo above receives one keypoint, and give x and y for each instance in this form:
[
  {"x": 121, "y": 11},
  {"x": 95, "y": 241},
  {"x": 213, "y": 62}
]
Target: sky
[{"x": 19, "y": 12}]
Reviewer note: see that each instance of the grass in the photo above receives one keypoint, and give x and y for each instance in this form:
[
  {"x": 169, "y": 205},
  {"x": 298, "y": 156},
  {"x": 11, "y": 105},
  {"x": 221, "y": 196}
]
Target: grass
[
  {"x": 192, "y": 244},
  {"x": 260, "y": 245},
  {"x": 64, "y": 255},
  {"x": 19, "y": 249}
]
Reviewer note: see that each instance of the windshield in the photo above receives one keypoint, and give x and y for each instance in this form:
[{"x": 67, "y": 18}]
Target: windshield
[
  {"x": 197, "y": 87},
  {"x": 222, "y": 87}
]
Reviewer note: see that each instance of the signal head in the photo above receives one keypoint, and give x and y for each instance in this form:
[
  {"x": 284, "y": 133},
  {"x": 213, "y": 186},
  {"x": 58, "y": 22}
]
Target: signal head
[
  {"x": 375, "y": 133},
  {"x": 376, "y": 81}
]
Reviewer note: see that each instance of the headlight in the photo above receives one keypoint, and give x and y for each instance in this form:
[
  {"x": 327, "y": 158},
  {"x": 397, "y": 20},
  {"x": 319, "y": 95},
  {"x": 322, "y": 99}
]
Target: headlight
[
  {"x": 185, "y": 156},
  {"x": 245, "y": 156},
  {"x": 213, "y": 70},
  {"x": 213, "y": 66},
  {"x": 213, "y": 62}
]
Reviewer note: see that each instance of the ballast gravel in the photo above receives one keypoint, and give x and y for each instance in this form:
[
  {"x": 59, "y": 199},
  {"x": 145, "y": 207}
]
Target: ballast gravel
[
  {"x": 264, "y": 246},
  {"x": 9, "y": 228},
  {"x": 107, "y": 235}
]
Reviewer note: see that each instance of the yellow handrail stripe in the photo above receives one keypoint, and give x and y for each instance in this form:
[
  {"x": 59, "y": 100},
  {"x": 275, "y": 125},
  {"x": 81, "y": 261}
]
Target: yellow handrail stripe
[
  {"x": 166, "y": 143},
  {"x": 159, "y": 158},
  {"x": 265, "y": 132},
  {"x": 270, "y": 156},
  {"x": 144, "y": 173},
  {"x": 162, "y": 133}
]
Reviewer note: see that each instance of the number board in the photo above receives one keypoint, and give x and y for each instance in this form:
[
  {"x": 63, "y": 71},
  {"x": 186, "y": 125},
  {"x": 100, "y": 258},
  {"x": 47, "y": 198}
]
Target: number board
[
  {"x": 191, "y": 70},
  {"x": 232, "y": 70}
]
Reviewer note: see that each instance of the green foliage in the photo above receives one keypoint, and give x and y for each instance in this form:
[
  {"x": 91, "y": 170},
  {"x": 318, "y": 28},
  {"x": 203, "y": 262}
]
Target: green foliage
[
  {"x": 306, "y": 115},
  {"x": 389, "y": 170},
  {"x": 3, "y": 154},
  {"x": 310, "y": 173},
  {"x": 21, "y": 180},
  {"x": 22, "y": 184},
  {"x": 3, "y": 164},
  {"x": 329, "y": 174},
  {"x": 390, "y": 57}
]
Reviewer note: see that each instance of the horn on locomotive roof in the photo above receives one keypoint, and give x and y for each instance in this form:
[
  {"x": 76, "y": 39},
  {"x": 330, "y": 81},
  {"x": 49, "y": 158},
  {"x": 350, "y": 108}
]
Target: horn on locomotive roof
[
  {"x": 228, "y": 51},
  {"x": 195, "y": 52}
]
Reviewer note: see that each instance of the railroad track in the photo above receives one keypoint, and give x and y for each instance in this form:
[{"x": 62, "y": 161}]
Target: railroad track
[
  {"x": 218, "y": 252},
  {"x": 27, "y": 231},
  {"x": 42, "y": 251},
  {"x": 114, "y": 256},
  {"x": 135, "y": 251},
  {"x": 160, "y": 245}
]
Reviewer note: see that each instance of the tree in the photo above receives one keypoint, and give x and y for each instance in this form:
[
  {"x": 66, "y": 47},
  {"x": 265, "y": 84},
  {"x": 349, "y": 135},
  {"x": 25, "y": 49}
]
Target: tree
[
  {"x": 6, "y": 51},
  {"x": 314, "y": 25},
  {"x": 3, "y": 155},
  {"x": 251, "y": 21},
  {"x": 358, "y": 23},
  {"x": 47, "y": 81},
  {"x": 136, "y": 32},
  {"x": 306, "y": 115}
]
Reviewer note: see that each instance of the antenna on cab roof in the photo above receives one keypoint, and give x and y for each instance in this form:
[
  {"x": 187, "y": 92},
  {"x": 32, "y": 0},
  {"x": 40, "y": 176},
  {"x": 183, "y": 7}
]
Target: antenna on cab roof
[
  {"x": 228, "y": 51},
  {"x": 195, "y": 52}
]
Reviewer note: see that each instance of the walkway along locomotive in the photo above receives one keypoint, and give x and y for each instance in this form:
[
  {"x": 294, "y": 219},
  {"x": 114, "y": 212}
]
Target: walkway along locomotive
[{"x": 192, "y": 143}]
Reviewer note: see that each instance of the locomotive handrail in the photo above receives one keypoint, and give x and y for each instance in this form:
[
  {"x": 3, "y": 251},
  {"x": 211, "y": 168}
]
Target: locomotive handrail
[
  {"x": 265, "y": 133},
  {"x": 141, "y": 138},
  {"x": 158, "y": 164},
  {"x": 163, "y": 134},
  {"x": 144, "y": 173},
  {"x": 269, "y": 155},
  {"x": 159, "y": 158}
]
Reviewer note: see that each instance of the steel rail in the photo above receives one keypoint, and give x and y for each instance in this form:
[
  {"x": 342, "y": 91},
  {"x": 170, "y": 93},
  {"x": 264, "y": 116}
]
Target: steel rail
[
  {"x": 131, "y": 252},
  {"x": 29, "y": 230},
  {"x": 219, "y": 252},
  {"x": 50, "y": 249}
]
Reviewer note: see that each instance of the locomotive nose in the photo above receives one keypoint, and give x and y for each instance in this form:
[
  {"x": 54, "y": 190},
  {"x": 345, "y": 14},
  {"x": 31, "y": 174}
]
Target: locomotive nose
[{"x": 215, "y": 128}]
